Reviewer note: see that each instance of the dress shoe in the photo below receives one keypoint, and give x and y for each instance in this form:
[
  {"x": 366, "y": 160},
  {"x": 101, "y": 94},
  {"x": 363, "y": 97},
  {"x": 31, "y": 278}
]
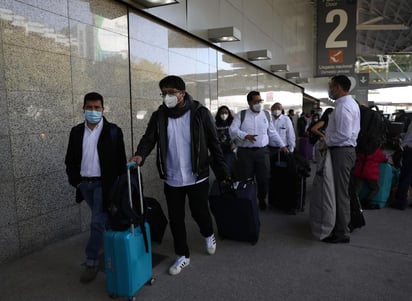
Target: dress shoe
[
  {"x": 290, "y": 211},
  {"x": 336, "y": 239},
  {"x": 396, "y": 206},
  {"x": 88, "y": 274},
  {"x": 262, "y": 205}
]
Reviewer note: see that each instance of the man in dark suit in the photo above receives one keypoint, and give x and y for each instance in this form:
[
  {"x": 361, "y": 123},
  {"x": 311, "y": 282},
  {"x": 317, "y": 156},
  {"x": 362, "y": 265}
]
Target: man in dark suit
[{"x": 95, "y": 157}]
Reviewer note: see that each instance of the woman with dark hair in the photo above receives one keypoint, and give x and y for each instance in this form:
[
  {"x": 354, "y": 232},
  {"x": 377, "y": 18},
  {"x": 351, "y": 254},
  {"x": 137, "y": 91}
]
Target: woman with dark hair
[
  {"x": 317, "y": 134},
  {"x": 317, "y": 130},
  {"x": 223, "y": 120}
]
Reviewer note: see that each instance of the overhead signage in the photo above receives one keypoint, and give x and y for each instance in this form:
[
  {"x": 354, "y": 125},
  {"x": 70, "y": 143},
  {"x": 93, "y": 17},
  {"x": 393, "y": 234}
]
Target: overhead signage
[
  {"x": 359, "y": 89},
  {"x": 336, "y": 37}
]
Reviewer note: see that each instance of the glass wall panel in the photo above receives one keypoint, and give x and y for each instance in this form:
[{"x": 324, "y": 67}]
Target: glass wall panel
[
  {"x": 100, "y": 60},
  {"x": 274, "y": 89},
  {"x": 171, "y": 52},
  {"x": 236, "y": 79}
]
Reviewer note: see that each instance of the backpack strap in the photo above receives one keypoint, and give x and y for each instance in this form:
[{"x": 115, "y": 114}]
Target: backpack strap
[{"x": 242, "y": 116}]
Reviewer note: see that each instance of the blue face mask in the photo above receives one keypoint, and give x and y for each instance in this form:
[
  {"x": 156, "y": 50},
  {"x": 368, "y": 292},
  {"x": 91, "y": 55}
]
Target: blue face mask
[{"x": 93, "y": 116}]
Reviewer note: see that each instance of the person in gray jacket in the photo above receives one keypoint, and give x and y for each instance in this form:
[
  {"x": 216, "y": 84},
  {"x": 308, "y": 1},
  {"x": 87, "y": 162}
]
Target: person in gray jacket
[{"x": 185, "y": 134}]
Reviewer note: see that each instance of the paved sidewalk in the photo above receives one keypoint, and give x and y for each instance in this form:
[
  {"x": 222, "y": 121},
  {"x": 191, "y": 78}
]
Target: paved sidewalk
[{"x": 286, "y": 264}]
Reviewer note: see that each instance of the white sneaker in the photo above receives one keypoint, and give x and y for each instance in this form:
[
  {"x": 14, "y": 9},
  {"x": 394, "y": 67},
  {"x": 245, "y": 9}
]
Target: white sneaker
[
  {"x": 211, "y": 244},
  {"x": 180, "y": 263}
]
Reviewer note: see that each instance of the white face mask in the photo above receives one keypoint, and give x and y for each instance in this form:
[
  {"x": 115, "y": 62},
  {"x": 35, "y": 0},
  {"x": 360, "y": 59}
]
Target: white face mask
[
  {"x": 257, "y": 107},
  {"x": 224, "y": 116},
  {"x": 276, "y": 113},
  {"x": 170, "y": 101}
]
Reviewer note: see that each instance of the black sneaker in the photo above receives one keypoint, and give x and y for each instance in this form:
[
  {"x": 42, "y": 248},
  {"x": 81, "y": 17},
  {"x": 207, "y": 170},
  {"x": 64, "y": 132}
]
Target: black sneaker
[
  {"x": 262, "y": 205},
  {"x": 89, "y": 274}
]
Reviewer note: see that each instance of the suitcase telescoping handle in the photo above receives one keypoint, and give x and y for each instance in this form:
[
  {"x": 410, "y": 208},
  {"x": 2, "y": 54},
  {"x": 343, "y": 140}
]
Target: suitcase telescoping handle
[{"x": 129, "y": 185}]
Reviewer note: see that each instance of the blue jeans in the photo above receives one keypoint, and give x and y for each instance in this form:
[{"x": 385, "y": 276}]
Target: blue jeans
[{"x": 92, "y": 193}]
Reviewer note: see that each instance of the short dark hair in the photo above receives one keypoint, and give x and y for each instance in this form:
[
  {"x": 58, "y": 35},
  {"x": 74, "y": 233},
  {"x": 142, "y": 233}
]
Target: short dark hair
[
  {"x": 343, "y": 81},
  {"x": 172, "y": 81},
  {"x": 251, "y": 94},
  {"x": 92, "y": 96}
]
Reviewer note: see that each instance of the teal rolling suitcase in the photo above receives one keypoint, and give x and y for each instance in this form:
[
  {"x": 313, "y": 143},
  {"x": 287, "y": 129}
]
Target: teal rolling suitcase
[
  {"x": 128, "y": 257},
  {"x": 385, "y": 185}
]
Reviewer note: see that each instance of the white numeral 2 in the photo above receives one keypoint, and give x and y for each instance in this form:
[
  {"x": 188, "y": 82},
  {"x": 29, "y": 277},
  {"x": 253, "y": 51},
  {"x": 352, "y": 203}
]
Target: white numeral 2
[{"x": 343, "y": 21}]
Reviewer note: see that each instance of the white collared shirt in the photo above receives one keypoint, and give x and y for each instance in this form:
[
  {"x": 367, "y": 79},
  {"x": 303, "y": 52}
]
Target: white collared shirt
[
  {"x": 283, "y": 125},
  {"x": 90, "y": 166},
  {"x": 407, "y": 139},
  {"x": 179, "y": 170},
  {"x": 344, "y": 123},
  {"x": 254, "y": 124}
]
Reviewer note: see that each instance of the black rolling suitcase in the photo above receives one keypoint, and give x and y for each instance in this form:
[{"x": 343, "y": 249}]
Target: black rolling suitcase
[
  {"x": 235, "y": 210},
  {"x": 283, "y": 181},
  {"x": 287, "y": 188},
  {"x": 156, "y": 218}
]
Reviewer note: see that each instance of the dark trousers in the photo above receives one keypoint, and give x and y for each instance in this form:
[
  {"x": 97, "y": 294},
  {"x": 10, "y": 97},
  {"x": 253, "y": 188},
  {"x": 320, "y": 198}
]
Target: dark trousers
[
  {"x": 198, "y": 195},
  {"x": 343, "y": 160},
  {"x": 255, "y": 163},
  {"x": 405, "y": 179}
]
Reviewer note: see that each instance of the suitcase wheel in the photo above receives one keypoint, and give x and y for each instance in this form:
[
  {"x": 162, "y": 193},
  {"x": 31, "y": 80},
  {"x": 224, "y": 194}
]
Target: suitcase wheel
[
  {"x": 151, "y": 281},
  {"x": 131, "y": 298}
]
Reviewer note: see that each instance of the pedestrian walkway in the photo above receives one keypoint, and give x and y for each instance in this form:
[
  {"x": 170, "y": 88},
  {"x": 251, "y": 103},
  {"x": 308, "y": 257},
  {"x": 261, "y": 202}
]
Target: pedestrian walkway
[{"x": 286, "y": 264}]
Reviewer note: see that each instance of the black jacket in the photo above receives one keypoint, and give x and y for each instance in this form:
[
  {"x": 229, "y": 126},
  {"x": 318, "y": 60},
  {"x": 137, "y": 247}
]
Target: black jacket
[
  {"x": 112, "y": 156},
  {"x": 204, "y": 141}
]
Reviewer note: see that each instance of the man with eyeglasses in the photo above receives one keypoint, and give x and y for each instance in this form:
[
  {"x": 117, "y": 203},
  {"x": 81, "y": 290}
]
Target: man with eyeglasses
[
  {"x": 185, "y": 135},
  {"x": 254, "y": 127}
]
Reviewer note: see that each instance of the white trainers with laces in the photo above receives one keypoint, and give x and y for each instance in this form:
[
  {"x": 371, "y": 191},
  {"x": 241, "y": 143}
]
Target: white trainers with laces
[
  {"x": 211, "y": 244},
  {"x": 180, "y": 263}
]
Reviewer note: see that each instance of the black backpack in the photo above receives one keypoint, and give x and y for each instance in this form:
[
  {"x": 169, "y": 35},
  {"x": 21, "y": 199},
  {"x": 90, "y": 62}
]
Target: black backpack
[
  {"x": 373, "y": 130},
  {"x": 121, "y": 215}
]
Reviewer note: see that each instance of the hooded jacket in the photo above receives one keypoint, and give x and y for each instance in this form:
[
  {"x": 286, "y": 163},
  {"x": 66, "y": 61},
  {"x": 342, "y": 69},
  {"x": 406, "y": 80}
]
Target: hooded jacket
[{"x": 204, "y": 141}]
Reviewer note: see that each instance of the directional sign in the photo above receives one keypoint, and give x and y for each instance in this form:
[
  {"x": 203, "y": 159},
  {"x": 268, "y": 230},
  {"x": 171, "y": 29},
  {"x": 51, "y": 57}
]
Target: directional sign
[
  {"x": 359, "y": 89},
  {"x": 336, "y": 37},
  {"x": 363, "y": 79}
]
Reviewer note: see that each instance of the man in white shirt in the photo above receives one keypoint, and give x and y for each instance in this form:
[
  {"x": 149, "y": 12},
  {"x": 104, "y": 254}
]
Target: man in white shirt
[
  {"x": 254, "y": 132},
  {"x": 282, "y": 184},
  {"x": 283, "y": 126},
  {"x": 341, "y": 135},
  {"x": 95, "y": 158}
]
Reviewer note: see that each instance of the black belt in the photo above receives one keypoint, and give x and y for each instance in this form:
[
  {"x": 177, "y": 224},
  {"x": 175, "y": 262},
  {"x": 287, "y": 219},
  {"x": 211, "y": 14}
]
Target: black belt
[
  {"x": 91, "y": 179},
  {"x": 253, "y": 148},
  {"x": 345, "y": 146}
]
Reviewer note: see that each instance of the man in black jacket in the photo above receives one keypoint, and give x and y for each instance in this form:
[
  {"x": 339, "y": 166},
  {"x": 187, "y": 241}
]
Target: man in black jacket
[
  {"x": 95, "y": 157},
  {"x": 185, "y": 134}
]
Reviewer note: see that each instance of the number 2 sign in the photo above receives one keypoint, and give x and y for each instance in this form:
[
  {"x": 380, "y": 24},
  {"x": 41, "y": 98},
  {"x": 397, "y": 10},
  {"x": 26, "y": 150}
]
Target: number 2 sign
[{"x": 336, "y": 37}]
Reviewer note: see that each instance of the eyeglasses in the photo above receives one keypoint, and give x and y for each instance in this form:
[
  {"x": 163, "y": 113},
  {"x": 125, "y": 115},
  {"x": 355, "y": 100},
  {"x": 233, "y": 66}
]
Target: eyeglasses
[
  {"x": 170, "y": 92},
  {"x": 257, "y": 101}
]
